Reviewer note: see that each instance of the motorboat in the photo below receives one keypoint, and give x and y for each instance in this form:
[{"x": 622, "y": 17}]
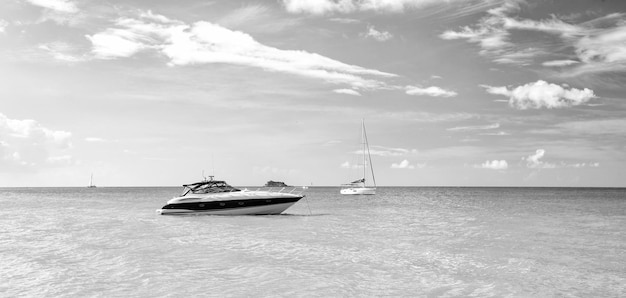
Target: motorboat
[
  {"x": 358, "y": 187},
  {"x": 213, "y": 197}
]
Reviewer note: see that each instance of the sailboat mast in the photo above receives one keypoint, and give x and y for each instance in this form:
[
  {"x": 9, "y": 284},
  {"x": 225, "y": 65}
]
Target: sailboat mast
[
  {"x": 363, "y": 143},
  {"x": 369, "y": 156}
]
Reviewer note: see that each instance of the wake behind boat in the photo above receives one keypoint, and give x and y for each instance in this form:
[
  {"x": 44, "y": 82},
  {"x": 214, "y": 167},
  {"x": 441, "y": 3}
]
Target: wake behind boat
[{"x": 214, "y": 197}]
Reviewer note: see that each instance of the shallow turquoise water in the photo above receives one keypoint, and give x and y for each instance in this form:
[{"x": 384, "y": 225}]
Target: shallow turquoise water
[{"x": 424, "y": 242}]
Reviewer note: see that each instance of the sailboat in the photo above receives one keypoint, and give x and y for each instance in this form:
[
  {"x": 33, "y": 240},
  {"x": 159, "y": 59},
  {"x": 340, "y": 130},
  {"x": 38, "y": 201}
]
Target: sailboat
[
  {"x": 358, "y": 187},
  {"x": 91, "y": 185}
]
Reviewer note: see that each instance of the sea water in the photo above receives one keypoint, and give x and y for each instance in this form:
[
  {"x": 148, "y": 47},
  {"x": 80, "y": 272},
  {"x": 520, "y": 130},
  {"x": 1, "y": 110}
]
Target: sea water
[{"x": 406, "y": 242}]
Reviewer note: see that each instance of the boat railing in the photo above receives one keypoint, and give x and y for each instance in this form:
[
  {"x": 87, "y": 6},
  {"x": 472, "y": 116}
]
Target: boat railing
[{"x": 296, "y": 190}]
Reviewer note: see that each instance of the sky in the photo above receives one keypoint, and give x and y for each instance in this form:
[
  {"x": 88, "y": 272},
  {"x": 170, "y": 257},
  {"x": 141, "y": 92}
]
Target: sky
[{"x": 452, "y": 92}]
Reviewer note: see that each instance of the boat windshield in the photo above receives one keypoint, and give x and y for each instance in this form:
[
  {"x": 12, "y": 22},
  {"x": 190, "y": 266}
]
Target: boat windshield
[{"x": 211, "y": 186}]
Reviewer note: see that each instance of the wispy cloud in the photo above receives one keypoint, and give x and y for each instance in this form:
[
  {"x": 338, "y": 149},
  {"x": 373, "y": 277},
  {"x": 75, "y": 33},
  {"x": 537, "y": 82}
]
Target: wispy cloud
[
  {"x": 388, "y": 151},
  {"x": 56, "y": 5},
  {"x": 321, "y": 7},
  {"x": 274, "y": 170},
  {"x": 430, "y": 91},
  {"x": 62, "y": 51},
  {"x": 26, "y": 144},
  {"x": 94, "y": 139},
  {"x": 257, "y": 18},
  {"x": 414, "y": 116},
  {"x": 347, "y": 91},
  {"x": 594, "y": 127},
  {"x": 593, "y": 46},
  {"x": 377, "y": 35},
  {"x": 542, "y": 94},
  {"x": 494, "y": 165},
  {"x": 559, "y": 63},
  {"x": 207, "y": 43},
  {"x": 476, "y": 127}
]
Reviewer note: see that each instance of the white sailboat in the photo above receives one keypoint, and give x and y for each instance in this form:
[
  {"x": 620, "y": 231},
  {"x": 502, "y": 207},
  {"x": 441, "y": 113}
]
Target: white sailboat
[
  {"x": 358, "y": 187},
  {"x": 91, "y": 185}
]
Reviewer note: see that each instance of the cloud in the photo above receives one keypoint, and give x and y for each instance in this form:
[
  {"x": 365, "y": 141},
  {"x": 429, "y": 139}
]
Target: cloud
[
  {"x": 430, "y": 91},
  {"x": 405, "y": 164},
  {"x": 427, "y": 117},
  {"x": 347, "y": 91},
  {"x": 583, "y": 165},
  {"x": 274, "y": 171},
  {"x": 63, "y": 52},
  {"x": 387, "y": 151},
  {"x": 590, "y": 47},
  {"x": 489, "y": 33},
  {"x": 500, "y": 133},
  {"x": 477, "y": 127},
  {"x": 533, "y": 161},
  {"x": 321, "y": 7},
  {"x": 257, "y": 18},
  {"x": 116, "y": 43},
  {"x": 208, "y": 43},
  {"x": 348, "y": 165},
  {"x": 56, "y": 5},
  {"x": 26, "y": 144},
  {"x": 594, "y": 127},
  {"x": 377, "y": 35},
  {"x": 3, "y": 25},
  {"x": 494, "y": 165},
  {"x": 542, "y": 94},
  {"x": 559, "y": 63},
  {"x": 243, "y": 15},
  {"x": 94, "y": 139}
]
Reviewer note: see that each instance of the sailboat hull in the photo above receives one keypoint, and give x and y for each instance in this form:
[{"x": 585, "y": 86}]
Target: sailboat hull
[{"x": 358, "y": 191}]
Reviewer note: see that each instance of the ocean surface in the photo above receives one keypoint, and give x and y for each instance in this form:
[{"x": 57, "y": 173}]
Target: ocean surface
[{"x": 405, "y": 242}]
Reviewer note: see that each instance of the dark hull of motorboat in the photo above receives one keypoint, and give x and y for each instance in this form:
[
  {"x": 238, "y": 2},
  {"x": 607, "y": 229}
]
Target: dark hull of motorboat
[{"x": 264, "y": 206}]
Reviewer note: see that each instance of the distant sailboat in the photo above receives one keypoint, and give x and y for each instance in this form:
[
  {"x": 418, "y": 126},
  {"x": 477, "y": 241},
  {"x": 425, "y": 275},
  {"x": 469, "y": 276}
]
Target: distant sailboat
[
  {"x": 358, "y": 187},
  {"x": 91, "y": 185}
]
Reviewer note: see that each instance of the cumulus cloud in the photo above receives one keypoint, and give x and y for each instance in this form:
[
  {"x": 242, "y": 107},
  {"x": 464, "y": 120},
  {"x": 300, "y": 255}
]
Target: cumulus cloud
[
  {"x": 429, "y": 91},
  {"x": 377, "y": 35},
  {"x": 533, "y": 161},
  {"x": 26, "y": 144},
  {"x": 320, "y": 7},
  {"x": 207, "y": 43},
  {"x": 495, "y": 165},
  {"x": 405, "y": 164},
  {"x": 542, "y": 94},
  {"x": 347, "y": 91}
]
